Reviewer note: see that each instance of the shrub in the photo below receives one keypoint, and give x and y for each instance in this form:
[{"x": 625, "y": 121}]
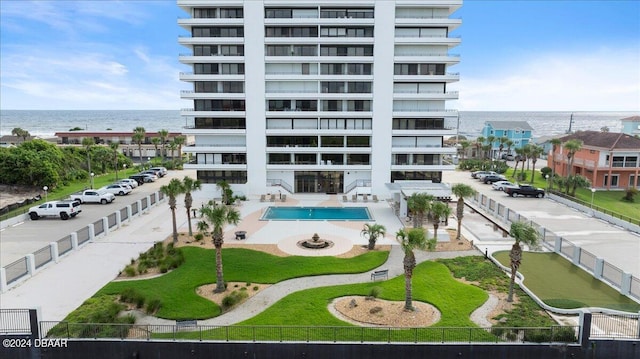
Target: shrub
[
  {"x": 130, "y": 271},
  {"x": 153, "y": 305},
  {"x": 248, "y": 284},
  {"x": 198, "y": 236},
  {"x": 130, "y": 295},
  {"x": 256, "y": 288},
  {"x": 243, "y": 288},
  {"x": 234, "y": 298},
  {"x": 374, "y": 292},
  {"x": 164, "y": 268}
]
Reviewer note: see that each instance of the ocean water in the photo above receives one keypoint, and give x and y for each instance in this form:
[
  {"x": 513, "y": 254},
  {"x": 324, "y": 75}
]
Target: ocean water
[{"x": 46, "y": 123}]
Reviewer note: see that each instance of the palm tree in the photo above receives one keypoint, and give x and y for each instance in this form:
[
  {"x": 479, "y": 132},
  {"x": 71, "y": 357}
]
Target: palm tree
[
  {"x": 87, "y": 143},
  {"x": 555, "y": 143},
  {"x": 578, "y": 181},
  {"x": 172, "y": 147},
  {"x": 490, "y": 140},
  {"x": 163, "y": 139},
  {"x": 372, "y": 232},
  {"x": 179, "y": 141},
  {"x": 173, "y": 190},
  {"x": 19, "y": 132},
  {"x": 114, "y": 147},
  {"x": 225, "y": 192},
  {"x": 414, "y": 238},
  {"x": 508, "y": 143},
  {"x": 464, "y": 145},
  {"x": 522, "y": 233},
  {"x": 479, "y": 142},
  {"x": 526, "y": 154},
  {"x": 419, "y": 204},
  {"x": 189, "y": 185},
  {"x": 503, "y": 140},
  {"x": 219, "y": 216},
  {"x": 519, "y": 157},
  {"x": 572, "y": 146},
  {"x": 535, "y": 153},
  {"x": 138, "y": 138},
  {"x": 461, "y": 191},
  {"x": 439, "y": 211},
  {"x": 156, "y": 142}
]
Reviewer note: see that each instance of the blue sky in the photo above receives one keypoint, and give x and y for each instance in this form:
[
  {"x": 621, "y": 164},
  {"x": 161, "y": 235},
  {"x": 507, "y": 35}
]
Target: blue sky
[{"x": 515, "y": 55}]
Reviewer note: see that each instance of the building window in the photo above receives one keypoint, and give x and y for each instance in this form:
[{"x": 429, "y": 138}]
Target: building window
[
  {"x": 217, "y": 176},
  {"x": 358, "y": 159},
  {"x": 215, "y": 31},
  {"x": 295, "y": 31},
  {"x": 209, "y": 123},
  {"x": 358, "y": 141}
]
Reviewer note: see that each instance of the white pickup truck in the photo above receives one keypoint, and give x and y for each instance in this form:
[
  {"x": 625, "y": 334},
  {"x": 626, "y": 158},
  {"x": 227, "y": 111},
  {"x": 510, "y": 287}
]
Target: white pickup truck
[
  {"x": 93, "y": 196},
  {"x": 63, "y": 209}
]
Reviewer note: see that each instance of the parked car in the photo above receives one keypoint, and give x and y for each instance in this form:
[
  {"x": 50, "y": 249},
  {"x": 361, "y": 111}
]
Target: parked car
[
  {"x": 117, "y": 189},
  {"x": 129, "y": 181},
  {"x": 475, "y": 174},
  {"x": 507, "y": 157},
  {"x": 480, "y": 176},
  {"x": 524, "y": 190},
  {"x": 161, "y": 171},
  {"x": 148, "y": 177},
  {"x": 93, "y": 196},
  {"x": 62, "y": 209},
  {"x": 150, "y": 173},
  {"x": 138, "y": 178},
  {"x": 501, "y": 185},
  {"x": 493, "y": 178}
]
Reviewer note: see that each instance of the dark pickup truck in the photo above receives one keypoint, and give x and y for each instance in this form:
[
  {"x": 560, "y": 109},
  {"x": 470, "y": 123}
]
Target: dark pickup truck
[{"x": 524, "y": 190}]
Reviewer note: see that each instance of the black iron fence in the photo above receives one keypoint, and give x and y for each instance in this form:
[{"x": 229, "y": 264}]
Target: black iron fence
[{"x": 552, "y": 334}]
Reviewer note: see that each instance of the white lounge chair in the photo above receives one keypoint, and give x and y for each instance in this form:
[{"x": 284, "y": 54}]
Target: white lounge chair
[
  {"x": 263, "y": 198},
  {"x": 375, "y": 198},
  {"x": 283, "y": 198},
  {"x": 273, "y": 198},
  {"x": 365, "y": 198},
  {"x": 354, "y": 198},
  {"x": 345, "y": 199}
]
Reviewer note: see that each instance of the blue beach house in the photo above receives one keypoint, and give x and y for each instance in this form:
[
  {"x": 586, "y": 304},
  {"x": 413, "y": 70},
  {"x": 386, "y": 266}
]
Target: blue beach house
[
  {"x": 631, "y": 125},
  {"x": 519, "y": 132}
]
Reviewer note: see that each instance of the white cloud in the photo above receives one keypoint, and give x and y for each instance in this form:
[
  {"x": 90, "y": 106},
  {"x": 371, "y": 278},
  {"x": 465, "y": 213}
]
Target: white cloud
[{"x": 604, "y": 80}]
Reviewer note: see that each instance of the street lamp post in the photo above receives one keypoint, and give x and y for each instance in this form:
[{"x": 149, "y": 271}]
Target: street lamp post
[
  {"x": 593, "y": 192},
  {"x": 547, "y": 178},
  {"x": 92, "y": 174},
  {"x": 46, "y": 198},
  {"x": 149, "y": 162}
]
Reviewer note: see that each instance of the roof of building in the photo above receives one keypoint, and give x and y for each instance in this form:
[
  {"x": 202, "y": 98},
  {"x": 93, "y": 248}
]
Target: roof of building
[
  {"x": 631, "y": 119},
  {"x": 509, "y": 125},
  {"x": 610, "y": 140}
]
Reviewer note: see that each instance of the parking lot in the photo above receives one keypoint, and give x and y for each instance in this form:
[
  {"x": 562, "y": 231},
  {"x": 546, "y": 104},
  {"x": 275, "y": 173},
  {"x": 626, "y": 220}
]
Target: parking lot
[{"x": 28, "y": 236}]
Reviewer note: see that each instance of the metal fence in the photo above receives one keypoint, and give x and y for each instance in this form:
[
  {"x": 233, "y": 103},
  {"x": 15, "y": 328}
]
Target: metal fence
[
  {"x": 64, "y": 245},
  {"x": 98, "y": 227},
  {"x": 612, "y": 274},
  {"x": 567, "y": 248},
  {"x": 111, "y": 220},
  {"x": 124, "y": 214},
  {"x": 143, "y": 204},
  {"x": 634, "y": 288},
  {"x": 134, "y": 208},
  {"x": 16, "y": 270},
  {"x": 152, "y": 199},
  {"x": 563, "y": 334},
  {"x": 587, "y": 259},
  {"x": 43, "y": 256},
  {"x": 613, "y": 214},
  {"x": 83, "y": 235},
  {"x": 15, "y": 321},
  {"x": 606, "y": 325}
]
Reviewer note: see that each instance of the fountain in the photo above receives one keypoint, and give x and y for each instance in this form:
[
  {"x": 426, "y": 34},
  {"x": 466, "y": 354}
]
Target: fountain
[{"x": 315, "y": 242}]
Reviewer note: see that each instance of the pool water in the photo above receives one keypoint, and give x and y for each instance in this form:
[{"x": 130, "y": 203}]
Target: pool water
[{"x": 317, "y": 214}]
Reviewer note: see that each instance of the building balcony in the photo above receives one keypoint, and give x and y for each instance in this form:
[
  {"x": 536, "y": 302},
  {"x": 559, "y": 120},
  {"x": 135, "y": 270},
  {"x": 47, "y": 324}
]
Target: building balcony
[
  {"x": 187, "y": 23},
  {"x": 318, "y": 167},
  {"x": 190, "y": 112},
  {"x": 429, "y": 168},
  {"x": 215, "y": 167},
  {"x": 318, "y": 21},
  {"x": 190, "y": 95},
  {"x": 316, "y": 149},
  {"x": 427, "y": 58},
  {"x": 425, "y": 95},
  {"x": 192, "y": 130},
  {"x": 430, "y": 132},
  {"x": 188, "y": 59},
  {"x": 315, "y": 132},
  {"x": 448, "y": 77},
  {"x": 215, "y": 148},
  {"x": 428, "y": 40},
  {"x": 405, "y": 149},
  {"x": 424, "y": 113},
  {"x": 414, "y": 20},
  {"x": 189, "y": 41},
  {"x": 190, "y": 77}
]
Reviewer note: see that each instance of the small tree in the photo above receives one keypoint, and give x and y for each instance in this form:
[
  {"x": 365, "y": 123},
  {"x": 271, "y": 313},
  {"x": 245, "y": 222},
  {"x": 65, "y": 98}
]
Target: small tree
[
  {"x": 138, "y": 138},
  {"x": 629, "y": 193},
  {"x": 419, "y": 204},
  {"x": 189, "y": 185},
  {"x": 173, "y": 190},
  {"x": 372, "y": 232},
  {"x": 219, "y": 216},
  {"x": 461, "y": 191},
  {"x": 114, "y": 147},
  {"x": 522, "y": 233},
  {"x": 163, "y": 140},
  {"x": 439, "y": 211},
  {"x": 410, "y": 240},
  {"x": 156, "y": 144}
]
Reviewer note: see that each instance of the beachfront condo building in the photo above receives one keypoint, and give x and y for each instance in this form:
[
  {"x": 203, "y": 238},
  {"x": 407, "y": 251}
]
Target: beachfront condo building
[{"x": 323, "y": 96}]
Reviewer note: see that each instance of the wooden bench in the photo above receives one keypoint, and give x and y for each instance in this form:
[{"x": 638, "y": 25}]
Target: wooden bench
[{"x": 380, "y": 274}]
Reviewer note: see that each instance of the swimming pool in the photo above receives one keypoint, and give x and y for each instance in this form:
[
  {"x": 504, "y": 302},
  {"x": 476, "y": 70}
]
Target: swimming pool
[{"x": 317, "y": 214}]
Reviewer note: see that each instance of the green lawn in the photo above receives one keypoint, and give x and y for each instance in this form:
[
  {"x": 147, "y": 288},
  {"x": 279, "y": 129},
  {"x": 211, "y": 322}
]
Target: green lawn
[
  {"x": 176, "y": 290},
  {"x": 559, "y": 283}
]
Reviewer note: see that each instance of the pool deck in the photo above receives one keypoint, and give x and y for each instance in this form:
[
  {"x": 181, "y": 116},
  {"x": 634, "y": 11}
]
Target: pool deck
[{"x": 286, "y": 234}]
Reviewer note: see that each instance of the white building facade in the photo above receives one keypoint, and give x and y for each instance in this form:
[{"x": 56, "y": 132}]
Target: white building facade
[{"x": 319, "y": 96}]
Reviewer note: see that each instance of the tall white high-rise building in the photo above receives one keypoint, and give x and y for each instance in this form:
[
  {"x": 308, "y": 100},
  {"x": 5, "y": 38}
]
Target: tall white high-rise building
[{"x": 322, "y": 96}]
